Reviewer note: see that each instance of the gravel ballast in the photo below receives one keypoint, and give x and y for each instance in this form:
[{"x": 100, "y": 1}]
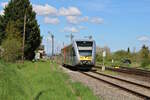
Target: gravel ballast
[{"x": 102, "y": 90}]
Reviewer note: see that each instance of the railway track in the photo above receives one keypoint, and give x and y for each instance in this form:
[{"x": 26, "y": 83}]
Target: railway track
[
  {"x": 129, "y": 70},
  {"x": 134, "y": 88}
]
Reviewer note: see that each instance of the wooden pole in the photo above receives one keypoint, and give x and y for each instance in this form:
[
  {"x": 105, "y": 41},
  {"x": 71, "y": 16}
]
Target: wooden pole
[{"x": 24, "y": 34}]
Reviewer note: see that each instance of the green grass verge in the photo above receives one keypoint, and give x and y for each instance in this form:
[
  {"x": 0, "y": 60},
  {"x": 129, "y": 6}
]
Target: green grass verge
[{"x": 39, "y": 81}]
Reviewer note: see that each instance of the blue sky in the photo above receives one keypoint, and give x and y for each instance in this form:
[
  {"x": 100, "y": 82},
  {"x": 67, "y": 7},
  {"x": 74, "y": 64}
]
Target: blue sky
[{"x": 118, "y": 24}]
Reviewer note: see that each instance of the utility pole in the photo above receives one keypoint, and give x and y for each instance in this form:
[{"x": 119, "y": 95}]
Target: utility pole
[
  {"x": 71, "y": 36},
  {"x": 24, "y": 34},
  {"x": 52, "y": 37}
]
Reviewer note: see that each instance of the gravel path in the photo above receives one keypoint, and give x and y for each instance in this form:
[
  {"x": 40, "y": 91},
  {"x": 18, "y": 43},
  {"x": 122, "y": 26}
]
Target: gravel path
[{"x": 102, "y": 90}]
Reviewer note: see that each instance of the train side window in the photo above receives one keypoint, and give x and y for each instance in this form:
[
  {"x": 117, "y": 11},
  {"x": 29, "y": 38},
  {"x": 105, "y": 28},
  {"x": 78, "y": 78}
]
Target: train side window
[{"x": 74, "y": 54}]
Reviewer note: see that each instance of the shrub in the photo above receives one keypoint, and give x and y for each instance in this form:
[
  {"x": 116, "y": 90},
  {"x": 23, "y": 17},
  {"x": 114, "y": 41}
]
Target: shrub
[{"x": 12, "y": 43}]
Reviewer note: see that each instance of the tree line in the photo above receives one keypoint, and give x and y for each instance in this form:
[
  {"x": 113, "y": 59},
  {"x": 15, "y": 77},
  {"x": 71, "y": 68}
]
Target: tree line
[
  {"x": 12, "y": 29},
  {"x": 137, "y": 59}
]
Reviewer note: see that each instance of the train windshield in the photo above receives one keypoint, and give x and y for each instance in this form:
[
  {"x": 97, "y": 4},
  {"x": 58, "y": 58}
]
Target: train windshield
[
  {"x": 85, "y": 52},
  {"x": 84, "y": 43}
]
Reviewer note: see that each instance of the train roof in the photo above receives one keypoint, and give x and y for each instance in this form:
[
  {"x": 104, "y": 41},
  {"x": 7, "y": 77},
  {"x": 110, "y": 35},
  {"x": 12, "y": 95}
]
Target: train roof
[
  {"x": 83, "y": 40},
  {"x": 78, "y": 40}
]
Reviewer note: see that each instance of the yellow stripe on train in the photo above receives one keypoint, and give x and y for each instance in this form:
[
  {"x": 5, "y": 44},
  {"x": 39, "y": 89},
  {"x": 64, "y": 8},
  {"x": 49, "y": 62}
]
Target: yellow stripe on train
[{"x": 85, "y": 58}]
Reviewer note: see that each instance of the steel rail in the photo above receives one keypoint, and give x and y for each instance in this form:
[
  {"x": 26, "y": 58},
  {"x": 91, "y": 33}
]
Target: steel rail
[
  {"x": 145, "y": 97},
  {"x": 129, "y": 71},
  {"x": 124, "y": 80}
]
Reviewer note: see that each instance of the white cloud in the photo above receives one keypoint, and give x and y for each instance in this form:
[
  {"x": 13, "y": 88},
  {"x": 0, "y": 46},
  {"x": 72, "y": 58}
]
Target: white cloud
[
  {"x": 72, "y": 19},
  {"x": 71, "y": 30},
  {"x": 45, "y": 9},
  {"x": 76, "y": 19},
  {"x": 4, "y": 4},
  {"x": 84, "y": 19},
  {"x": 97, "y": 20},
  {"x": 82, "y": 27},
  {"x": 71, "y": 11},
  {"x": 72, "y": 14},
  {"x": 49, "y": 20},
  {"x": 50, "y": 10},
  {"x": 143, "y": 38},
  {"x": 1, "y": 12}
]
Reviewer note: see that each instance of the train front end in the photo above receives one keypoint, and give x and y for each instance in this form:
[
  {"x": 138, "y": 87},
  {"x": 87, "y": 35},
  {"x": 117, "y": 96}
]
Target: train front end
[{"x": 86, "y": 52}]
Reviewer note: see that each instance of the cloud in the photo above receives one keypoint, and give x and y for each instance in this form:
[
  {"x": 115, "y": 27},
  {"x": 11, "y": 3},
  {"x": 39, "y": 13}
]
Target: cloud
[
  {"x": 49, "y": 20},
  {"x": 97, "y": 20},
  {"x": 72, "y": 19},
  {"x": 44, "y": 9},
  {"x": 71, "y": 30},
  {"x": 50, "y": 10},
  {"x": 82, "y": 27},
  {"x": 71, "y": 11},
  {"x": 76, "y": 19},
  {"x": 72, "y": 14},
  {"x": 144, "y": 38},
  {"x": 4, "y": 4}
]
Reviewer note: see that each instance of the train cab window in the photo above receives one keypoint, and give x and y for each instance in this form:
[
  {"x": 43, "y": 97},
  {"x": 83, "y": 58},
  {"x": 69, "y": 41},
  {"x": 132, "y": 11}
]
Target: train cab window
[
  {"x": 84, "y": 43},
  {"x": 85, "y": 52}
]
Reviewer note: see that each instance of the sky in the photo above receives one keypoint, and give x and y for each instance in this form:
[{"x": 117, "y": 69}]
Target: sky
[{"x": 117, "y": 24}]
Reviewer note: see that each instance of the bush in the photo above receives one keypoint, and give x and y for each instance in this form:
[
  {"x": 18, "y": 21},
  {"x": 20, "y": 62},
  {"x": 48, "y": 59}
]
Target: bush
[
  {"x": 12, "y": 44},
  {"x": 12, "y": 50},
  {"x": 145, "y": 63}
]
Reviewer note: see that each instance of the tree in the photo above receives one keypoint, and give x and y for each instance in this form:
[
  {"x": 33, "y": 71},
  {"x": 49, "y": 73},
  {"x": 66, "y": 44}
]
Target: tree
[
  {"x": 144, "y": 56},
  {"x": 118, "y": 55},
  {"x": 144, "y": 52},
  {"x": 128, "y": 50},
  {"x": 15, "y": 11},
  {"x": 12, "y": 44}
]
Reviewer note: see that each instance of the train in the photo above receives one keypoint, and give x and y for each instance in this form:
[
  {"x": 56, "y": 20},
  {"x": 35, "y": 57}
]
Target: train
[{"x": 80, "y": 54}]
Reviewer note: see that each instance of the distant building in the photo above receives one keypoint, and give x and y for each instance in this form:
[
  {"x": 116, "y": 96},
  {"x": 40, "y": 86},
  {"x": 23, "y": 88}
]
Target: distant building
[{"x": 40, "y": 53}]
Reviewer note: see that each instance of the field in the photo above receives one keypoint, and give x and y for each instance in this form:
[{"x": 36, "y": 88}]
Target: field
[{"x": 39, "y": 81}]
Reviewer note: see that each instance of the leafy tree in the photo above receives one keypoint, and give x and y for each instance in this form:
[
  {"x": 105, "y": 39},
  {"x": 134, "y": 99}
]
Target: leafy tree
[
  {"x": 118, "y": 55},
  {"x": 144, "y": 56},
  {"x": 144, "y": 52},
  {"x": 12, "y": 44},
  {"x": 128, "y": 50},
  {"x": 15, "y": 11}
]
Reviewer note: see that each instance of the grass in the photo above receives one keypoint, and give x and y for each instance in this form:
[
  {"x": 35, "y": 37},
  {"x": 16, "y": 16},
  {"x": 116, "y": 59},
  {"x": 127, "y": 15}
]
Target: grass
[
  {"x": 12, "y": 84},
  {"x": 39, "y": 81}
]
